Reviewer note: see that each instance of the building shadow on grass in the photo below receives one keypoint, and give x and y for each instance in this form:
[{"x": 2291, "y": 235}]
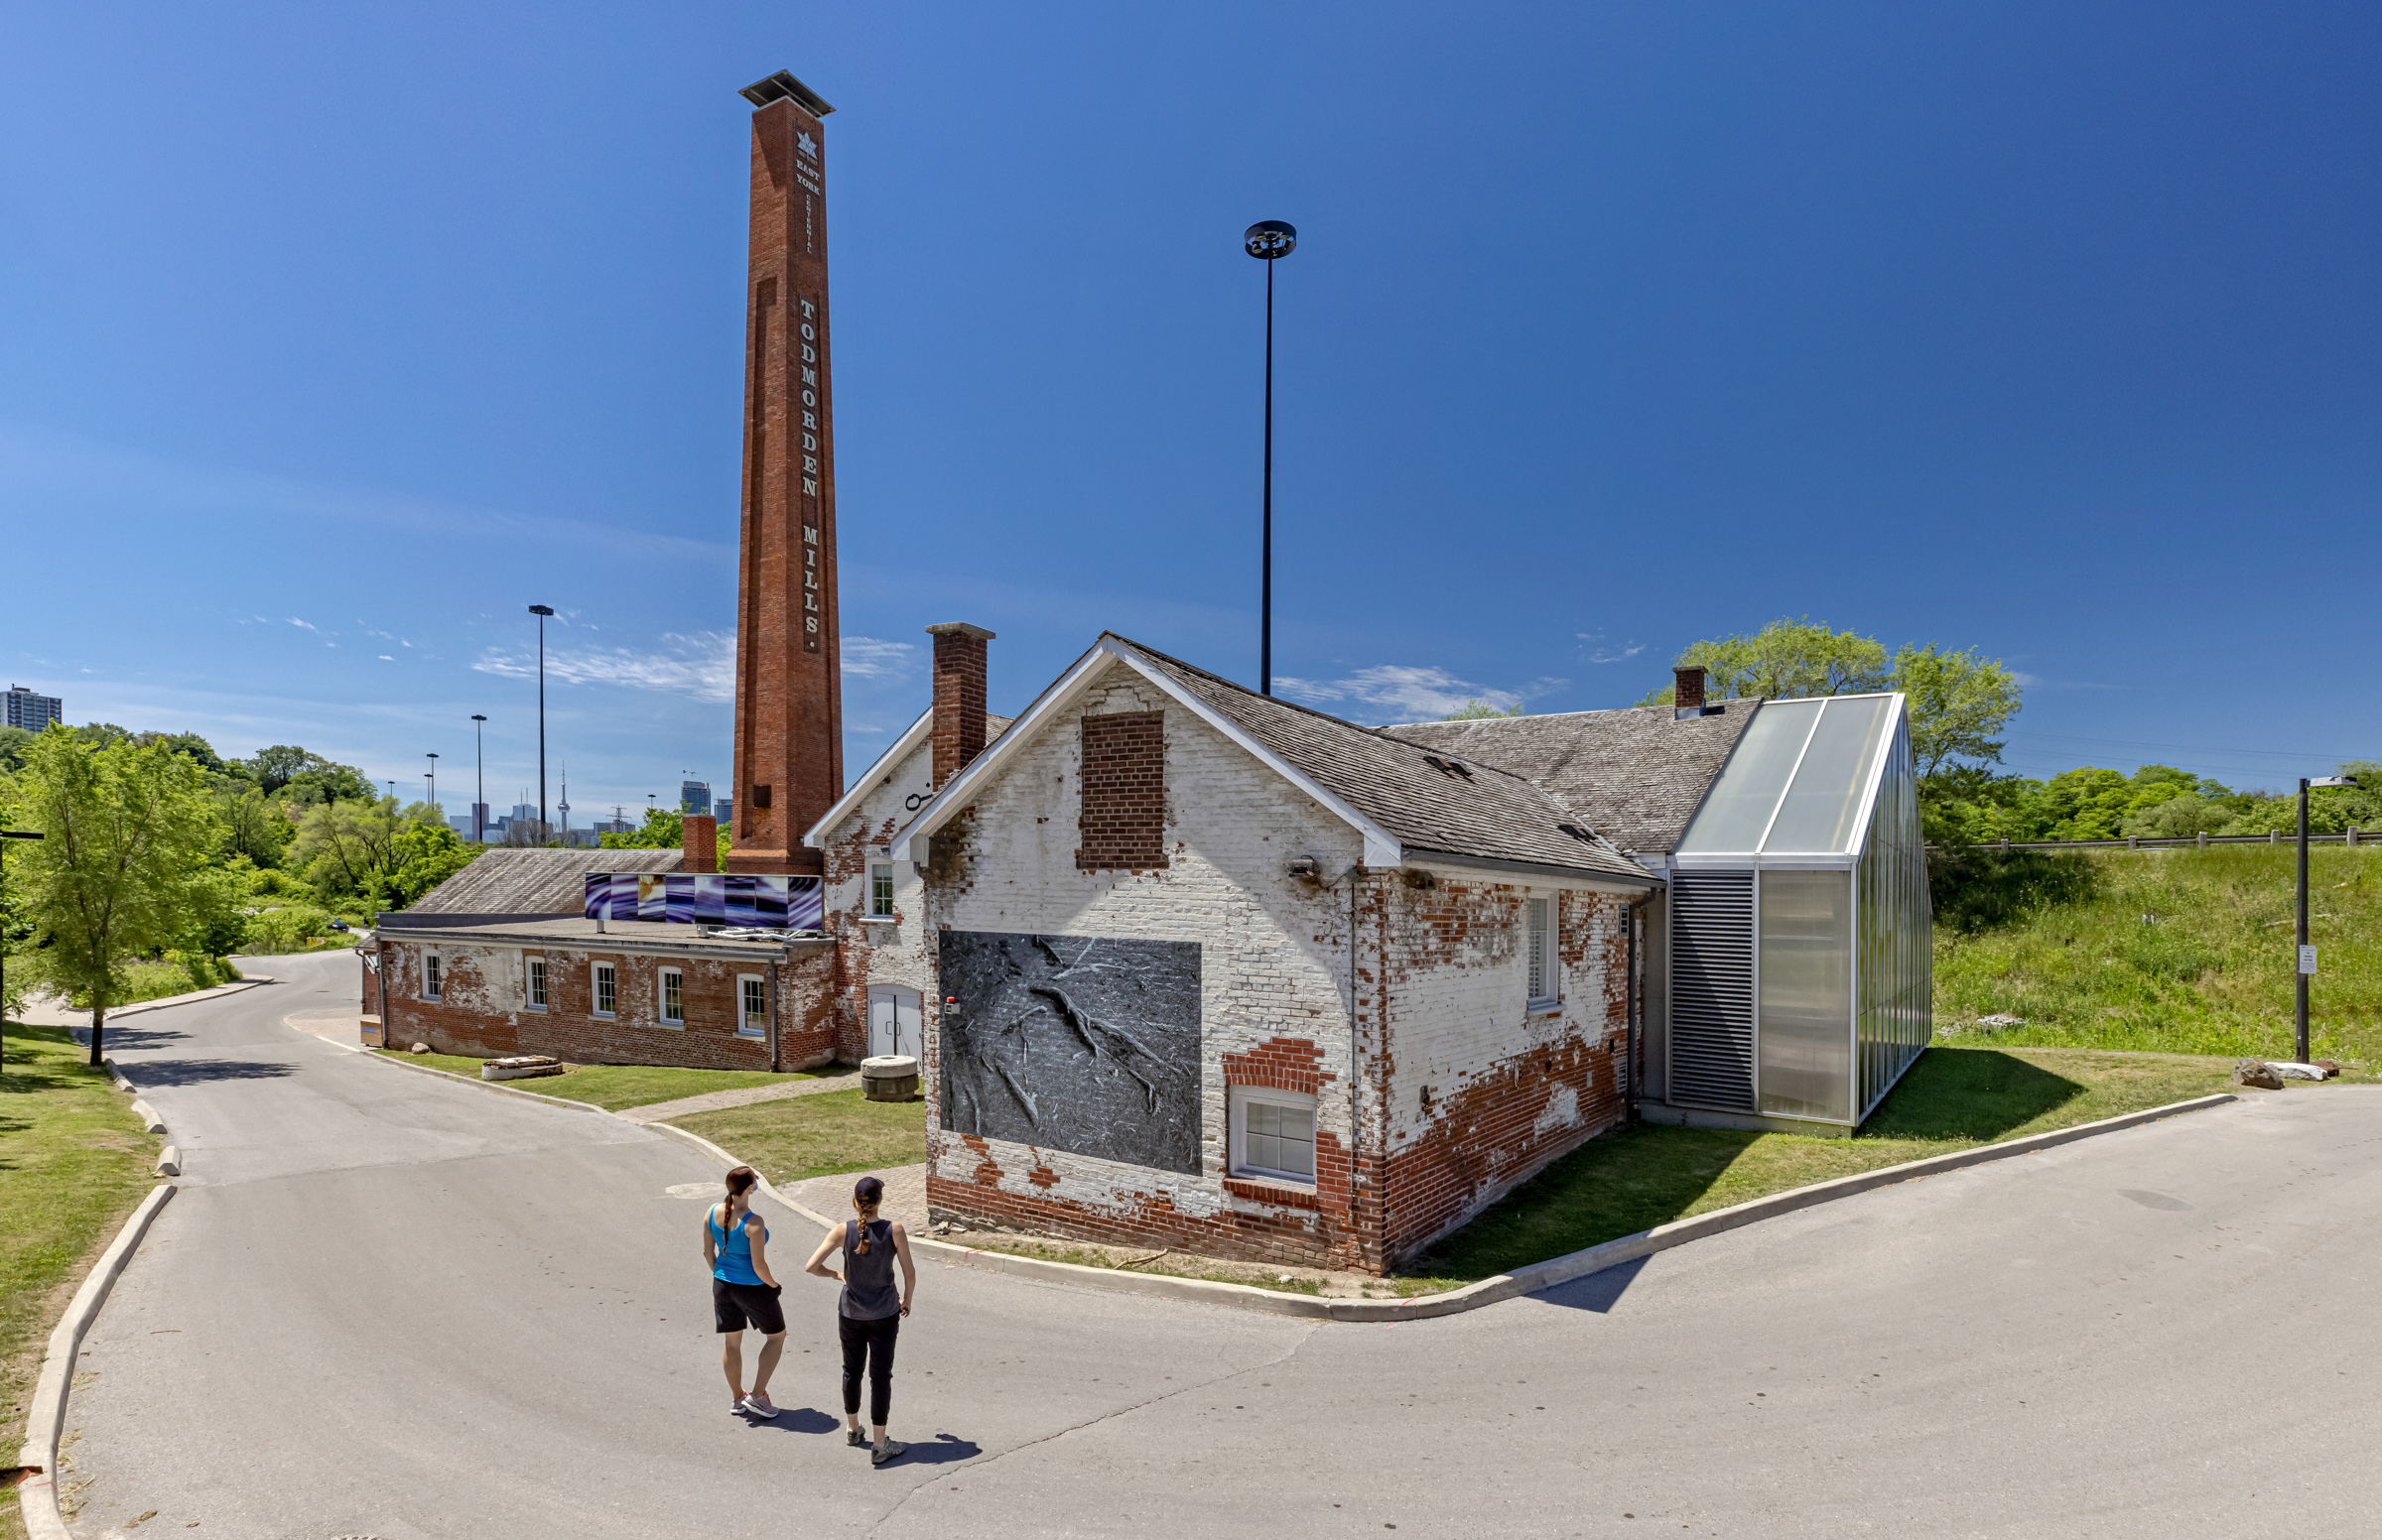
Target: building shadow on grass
[{"x": 1968, "y": 1093}]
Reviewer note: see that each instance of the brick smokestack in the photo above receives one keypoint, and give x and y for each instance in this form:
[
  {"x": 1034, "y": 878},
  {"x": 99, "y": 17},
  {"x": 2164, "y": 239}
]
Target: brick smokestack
[
  {"x": 1687, "y": 688},
  {"x": 960, "y": 663},
  {"x": 701, "y": 842}
]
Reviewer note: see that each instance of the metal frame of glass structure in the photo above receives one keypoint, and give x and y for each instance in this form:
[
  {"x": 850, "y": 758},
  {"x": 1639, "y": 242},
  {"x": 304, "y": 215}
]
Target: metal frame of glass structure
[{"x": 1801, "y": 938}]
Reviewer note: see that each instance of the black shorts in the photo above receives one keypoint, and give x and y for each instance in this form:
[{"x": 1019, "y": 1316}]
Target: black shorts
[{"x": 732, "y": 1304}]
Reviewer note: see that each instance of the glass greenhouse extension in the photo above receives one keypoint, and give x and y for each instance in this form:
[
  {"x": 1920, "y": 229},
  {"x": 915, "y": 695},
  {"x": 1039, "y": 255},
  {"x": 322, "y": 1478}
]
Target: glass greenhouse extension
[{"x": 1801, "y": 936}]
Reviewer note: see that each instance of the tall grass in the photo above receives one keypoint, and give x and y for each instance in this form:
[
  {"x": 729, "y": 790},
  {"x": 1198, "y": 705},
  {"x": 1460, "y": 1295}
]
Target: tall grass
[{"x": 2175, "y": 950}]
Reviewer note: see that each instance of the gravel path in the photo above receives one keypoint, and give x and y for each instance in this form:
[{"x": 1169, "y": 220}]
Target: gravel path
[{"x": 717, "y": 1100}]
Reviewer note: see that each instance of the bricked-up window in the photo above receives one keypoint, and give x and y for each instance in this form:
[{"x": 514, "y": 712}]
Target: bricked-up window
[
  {"x": 606, "y": 984},
  {"x": 1543, "y": 985},
  {"x": 537, "y": 983},
  {"x": 1273, "y": 1134},
  {"x": 755, "y": 993},
  {"x": 1123, "y": 822},
  {"x": 880, "y": 891},
  {"x": 674, "y": 997},
  {"x": 430, "y": 977}
]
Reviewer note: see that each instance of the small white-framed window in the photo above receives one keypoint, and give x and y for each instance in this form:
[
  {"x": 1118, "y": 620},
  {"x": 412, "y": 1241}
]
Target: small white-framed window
[
  {"x": 536, "y": 983},
  {"x": 429, "y": 976},
  {"x": 606, "y": 989},
  {"x": 881, "y": 890},
  {"x": 674, "y": 997},
  {"x": 1272, "y": 1134},
  {"x": 1540, "y": 920},
  {"x": 752, "y": 997}
]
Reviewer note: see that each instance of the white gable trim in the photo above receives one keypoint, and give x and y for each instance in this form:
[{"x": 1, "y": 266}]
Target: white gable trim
[
  {"x": 1381, "y": 849},
  {"x": 918, "y": 733}
]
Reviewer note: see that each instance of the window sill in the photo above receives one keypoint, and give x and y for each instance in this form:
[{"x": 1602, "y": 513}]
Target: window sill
[
  {"x": 1273, "y": 1191},
  {"x": 1545, "y": 1008},
  {"x": 605, "y": 1015},
  {"x": 761, "y": 1036},
  {"x": 671, "y": 1026},
  {"x": 880, "y": 919},
  {"x": 533, "y": 1010}
]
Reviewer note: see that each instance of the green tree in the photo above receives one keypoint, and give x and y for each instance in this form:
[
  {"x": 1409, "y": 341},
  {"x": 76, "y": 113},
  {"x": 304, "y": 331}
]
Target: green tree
[
  {"x": 127, "y": 832},
  {"x": 1784, "y": 659},
  {"x": 424, "y": 855},
  {"x": 664, "y": 829},
  {"x": 1478, "y": 709},
  {"x": 1959, "y": 704},
  {"x": 14, "y": 742},
  {"x": 342, "y": 846},
  {"x": 254, "y": 825}
]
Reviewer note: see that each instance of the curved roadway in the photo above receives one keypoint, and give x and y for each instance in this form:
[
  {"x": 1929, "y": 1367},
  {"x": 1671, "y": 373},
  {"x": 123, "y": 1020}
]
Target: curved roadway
[{"x": 386, "y": 1304}]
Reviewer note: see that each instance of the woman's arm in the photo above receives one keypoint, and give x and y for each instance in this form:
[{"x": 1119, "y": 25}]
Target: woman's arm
[
  {"x": 757, "y": 1237},
  {"x": 710, "y": 1255},
  {"x": 909, "y": 1269},
  {"x": 816, "y": 1265}
]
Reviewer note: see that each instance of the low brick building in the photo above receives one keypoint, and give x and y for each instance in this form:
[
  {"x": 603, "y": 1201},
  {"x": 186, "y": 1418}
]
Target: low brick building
[{"x": 1197, "y": 967}]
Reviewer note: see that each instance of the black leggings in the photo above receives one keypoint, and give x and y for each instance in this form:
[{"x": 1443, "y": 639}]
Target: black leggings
[{"x": 870, "y": 1342}]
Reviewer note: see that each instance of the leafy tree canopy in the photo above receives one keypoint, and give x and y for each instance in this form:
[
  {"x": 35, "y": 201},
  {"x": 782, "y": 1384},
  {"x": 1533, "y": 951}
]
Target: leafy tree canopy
[
  {"x": 1477, "y": 709},
  {"x": 664, "y": 829}
]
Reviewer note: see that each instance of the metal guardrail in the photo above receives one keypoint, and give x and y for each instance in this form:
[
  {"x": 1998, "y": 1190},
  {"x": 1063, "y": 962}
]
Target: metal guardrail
[{"x": 2353, "y": 837}]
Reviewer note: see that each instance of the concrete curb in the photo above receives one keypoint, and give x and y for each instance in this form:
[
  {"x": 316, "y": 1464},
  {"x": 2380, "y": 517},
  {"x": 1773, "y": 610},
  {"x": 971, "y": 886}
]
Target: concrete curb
[
  {"x": 497, "y": 1088},
  {"x": 1473, "y": 1296},
  {"x": 138, "y": 1007},
  {"x": 36, "y": 1495}
]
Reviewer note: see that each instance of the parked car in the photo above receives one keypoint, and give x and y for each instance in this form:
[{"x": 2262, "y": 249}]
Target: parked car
[{"x": 338, "y": 925}]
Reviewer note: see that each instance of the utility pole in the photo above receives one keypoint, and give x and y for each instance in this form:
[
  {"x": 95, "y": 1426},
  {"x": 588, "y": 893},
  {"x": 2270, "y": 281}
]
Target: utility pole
[
  {"x": 479, "y": 783},
  {"x": 541, "y": 611},
  {"x": 1269, "y": 240}
]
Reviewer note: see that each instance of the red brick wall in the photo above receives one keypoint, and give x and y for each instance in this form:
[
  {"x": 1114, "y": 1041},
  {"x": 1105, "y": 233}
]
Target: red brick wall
[
  {"x": 1124, "y": 819},
  {"x": 960, "y": 664}
]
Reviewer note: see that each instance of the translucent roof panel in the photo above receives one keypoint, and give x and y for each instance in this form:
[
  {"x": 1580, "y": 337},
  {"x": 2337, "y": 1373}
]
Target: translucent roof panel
[
  {"x": 1820, "y": 813},
  {"x": 1742, "y": 800}
]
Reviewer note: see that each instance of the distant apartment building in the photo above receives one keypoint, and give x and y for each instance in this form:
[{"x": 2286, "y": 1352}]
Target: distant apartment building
[
  {"x": 695, "y": 798},
  {"x": 33, "y": 711},
  {"x": 724, "y": 813}
]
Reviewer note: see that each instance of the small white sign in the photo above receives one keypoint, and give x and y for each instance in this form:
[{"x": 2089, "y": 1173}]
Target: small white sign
[{"x": 2307, "y": 959}]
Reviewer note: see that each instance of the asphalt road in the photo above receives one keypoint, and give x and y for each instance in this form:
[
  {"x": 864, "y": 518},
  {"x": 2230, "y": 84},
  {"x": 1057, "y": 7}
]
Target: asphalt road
[{"x": 389, "y": 1306}]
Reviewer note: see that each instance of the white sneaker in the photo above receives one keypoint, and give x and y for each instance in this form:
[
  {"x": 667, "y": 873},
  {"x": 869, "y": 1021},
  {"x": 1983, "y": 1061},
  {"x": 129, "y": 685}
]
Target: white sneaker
[{"x": 758, "y": 1403}]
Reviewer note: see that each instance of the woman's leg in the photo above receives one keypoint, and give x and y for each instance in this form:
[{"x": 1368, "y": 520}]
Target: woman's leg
[
  {"x": 855, "y": 1334},
  {"x": 880, "y": 1372},
  {"x": 771, "y": 1346},
  {"x": 732, "y": 1362}
]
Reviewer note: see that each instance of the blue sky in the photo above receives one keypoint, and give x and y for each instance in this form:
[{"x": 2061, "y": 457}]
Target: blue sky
[{"x": 331, "y": 337}]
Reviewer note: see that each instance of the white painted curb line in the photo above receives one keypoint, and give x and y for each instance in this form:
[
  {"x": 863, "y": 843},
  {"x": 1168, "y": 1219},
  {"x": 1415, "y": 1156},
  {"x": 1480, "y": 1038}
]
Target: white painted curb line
[
  {"x": 1488, "y": 1291},
  {"x": 36, "y": 1495}
]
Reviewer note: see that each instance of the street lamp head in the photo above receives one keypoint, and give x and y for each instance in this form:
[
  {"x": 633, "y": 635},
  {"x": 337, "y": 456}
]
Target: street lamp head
[
  {"x": 1269, "y": 240},
  {"x": 541, "y": 609},
  {"x": 475, "y": 717},
  {"x": 2333, "y": 780}
]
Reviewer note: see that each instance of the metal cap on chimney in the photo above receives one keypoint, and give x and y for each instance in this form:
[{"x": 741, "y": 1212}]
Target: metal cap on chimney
[{"x": 782, "y": 86}]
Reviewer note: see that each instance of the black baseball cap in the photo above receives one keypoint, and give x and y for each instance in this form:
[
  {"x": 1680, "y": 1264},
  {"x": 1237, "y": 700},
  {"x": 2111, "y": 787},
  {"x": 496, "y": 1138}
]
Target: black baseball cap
[{"x": 868, "y": 1190}]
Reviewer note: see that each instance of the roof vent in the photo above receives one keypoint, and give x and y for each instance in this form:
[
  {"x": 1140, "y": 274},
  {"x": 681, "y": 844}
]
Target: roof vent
[
  {"x": 1577, "y": 833},
  {"x": 1448, "y": 767}
]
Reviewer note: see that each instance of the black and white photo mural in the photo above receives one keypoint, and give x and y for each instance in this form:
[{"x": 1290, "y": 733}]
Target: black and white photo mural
[{"x": 1079, "y": 1042}]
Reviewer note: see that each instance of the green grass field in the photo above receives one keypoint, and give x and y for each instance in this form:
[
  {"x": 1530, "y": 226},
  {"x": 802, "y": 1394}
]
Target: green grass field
[
  {"x": 2181, "y": 951},
  {"x": 1953, "y": 1098},
  {"x": 616, "y": 1086},
  {"x": 816, "y": 1136},
  {"x": 73, "y": 1162}
]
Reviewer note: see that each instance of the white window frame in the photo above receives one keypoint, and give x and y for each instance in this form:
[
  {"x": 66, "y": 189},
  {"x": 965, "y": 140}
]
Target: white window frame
[
  {"x": 433, "y": 985},
  {"x": 1547, "y": 963},
  {"x": 661, "y": 999},
  {"x": 536, "y": 979},
  {"x": 596, "y": 990},
  {"x": 746, "y": 1020},
  {"x": 1239, "y": 1098},
  {"x": 869, "y": 897}
]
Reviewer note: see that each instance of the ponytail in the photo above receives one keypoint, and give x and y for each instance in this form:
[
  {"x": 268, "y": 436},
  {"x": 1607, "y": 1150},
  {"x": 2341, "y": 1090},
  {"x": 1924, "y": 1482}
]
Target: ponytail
[
  {"x": 867, "y": 1207},
  {"x": 739, "y": 1181}
]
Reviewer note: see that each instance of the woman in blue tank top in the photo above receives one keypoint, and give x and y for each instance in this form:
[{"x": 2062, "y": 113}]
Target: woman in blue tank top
[
  {"x": 869, "y": 1312},
  {"x": 736, "y": 1245}
]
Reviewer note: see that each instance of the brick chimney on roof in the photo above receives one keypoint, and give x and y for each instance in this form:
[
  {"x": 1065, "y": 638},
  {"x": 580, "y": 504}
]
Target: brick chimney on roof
[
  {"x": 1687, "y": 688},
  {"x": 960, "y": 668},
  {"x": 702, "y": 837}
]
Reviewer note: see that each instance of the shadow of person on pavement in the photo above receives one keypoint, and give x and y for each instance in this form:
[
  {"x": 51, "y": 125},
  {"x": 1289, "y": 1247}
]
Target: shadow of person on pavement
[
  {"x": 943, "y": 1450},
  {"x": 800, "y": 1419}
]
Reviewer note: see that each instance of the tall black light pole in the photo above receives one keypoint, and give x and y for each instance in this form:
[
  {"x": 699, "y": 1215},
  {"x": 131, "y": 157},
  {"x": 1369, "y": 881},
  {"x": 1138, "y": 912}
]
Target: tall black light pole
[
  {"x": 1269, "y": 240},
  {"x": 479, "y": 783},
  {"x": 541, "y": 611},
  {"x": 436, "y": 809},
  {"x": 2306, "y": 967},
  {"x": 7, "y": 834}
]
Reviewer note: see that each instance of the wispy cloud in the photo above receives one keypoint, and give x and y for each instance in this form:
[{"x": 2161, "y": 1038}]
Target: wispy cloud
[
  {"x": 1413, "y": 692},
  {"x": 1599, "y": 650},
  {"x": 701, "y": 665},
  {"x": 306, "y": 624},
  {"x": 384, "y": 657}
]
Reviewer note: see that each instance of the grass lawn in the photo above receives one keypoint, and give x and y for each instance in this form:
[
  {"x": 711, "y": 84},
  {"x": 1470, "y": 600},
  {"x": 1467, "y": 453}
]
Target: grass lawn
[
  {"x": 73, "y": 1162},
  {"x": 1951, "y": 1099},
  {"x": 616, "y": 1086},
  {"x": 817, "y": 1136}
]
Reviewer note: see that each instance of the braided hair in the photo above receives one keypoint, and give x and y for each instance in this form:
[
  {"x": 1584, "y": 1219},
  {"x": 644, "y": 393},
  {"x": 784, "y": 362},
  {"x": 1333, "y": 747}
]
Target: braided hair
[
  {"x": 865, "y": 1195},
  {"x": 739, "y": 1181}
]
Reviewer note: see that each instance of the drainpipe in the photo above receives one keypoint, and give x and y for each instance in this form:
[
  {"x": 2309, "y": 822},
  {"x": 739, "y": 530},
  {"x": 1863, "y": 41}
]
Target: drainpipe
[
  {"x": 1356, "y": 1075},
  {"x": 1631, "y": 919},
  {"x": 774, "y": 1056}
]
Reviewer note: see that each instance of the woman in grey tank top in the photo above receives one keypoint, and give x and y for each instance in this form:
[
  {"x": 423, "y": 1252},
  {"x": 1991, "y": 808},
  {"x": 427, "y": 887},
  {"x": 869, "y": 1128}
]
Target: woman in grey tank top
[{"x": 870, "y": 1310}]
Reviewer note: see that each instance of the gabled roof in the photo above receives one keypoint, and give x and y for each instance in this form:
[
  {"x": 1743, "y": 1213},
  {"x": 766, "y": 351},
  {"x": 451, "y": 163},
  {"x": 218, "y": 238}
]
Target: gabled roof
[
  {"x": 1403, "y": 803},
  {"x": 1634, "y": 775},
  {"x": 534, "y": 881},
  {"x": 916, "y": 733}
]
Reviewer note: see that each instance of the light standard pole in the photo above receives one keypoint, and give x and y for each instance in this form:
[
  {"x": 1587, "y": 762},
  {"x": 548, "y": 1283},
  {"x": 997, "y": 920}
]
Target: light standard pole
[
  {"x": 6, "y": 835},
  {"x": 541, "y": 611},
  {"x": 1269, "y": 240},
  {"x": 2306, "y": 953},
  {"x": 434, "y": 810},
  {"x": 479, "y": 783}
]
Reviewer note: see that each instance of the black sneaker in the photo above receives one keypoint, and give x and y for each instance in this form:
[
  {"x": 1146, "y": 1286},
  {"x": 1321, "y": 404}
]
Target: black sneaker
[{"x": 887, "y": 1452}]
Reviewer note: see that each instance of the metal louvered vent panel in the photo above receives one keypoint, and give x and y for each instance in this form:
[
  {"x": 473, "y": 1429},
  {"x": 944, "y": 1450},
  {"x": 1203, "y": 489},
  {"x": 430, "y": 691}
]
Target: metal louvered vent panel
[{"x": 1712, "y": 988}]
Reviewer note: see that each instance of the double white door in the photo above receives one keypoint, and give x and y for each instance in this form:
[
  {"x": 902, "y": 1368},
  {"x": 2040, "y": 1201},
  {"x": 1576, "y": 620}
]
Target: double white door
[{"x": 894, "y": 1017}]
